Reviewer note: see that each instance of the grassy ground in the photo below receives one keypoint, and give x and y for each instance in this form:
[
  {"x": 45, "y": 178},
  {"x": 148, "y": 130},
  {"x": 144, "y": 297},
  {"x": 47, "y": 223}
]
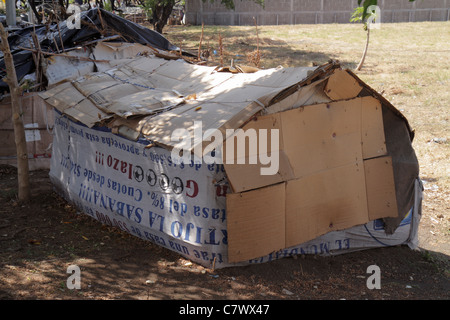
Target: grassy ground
[{"x": 407, "y": 62}]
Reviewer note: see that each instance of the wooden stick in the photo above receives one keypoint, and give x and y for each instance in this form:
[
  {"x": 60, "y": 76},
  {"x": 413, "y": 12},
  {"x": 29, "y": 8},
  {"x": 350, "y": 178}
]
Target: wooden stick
[
  {"x": 38, "y": 57},
  {"x": 200, "y": 44},
  {"x": 24, "y": 191},
  {"x": 101, "y": 20},
  {"x": 60, "y": 37},
  {"x": 64, "y": 55},
  {"x": 221, "y": 50},
  {"x": 56, "y": 44}
]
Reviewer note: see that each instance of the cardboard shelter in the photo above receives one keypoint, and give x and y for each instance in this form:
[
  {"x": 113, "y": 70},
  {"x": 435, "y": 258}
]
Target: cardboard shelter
[{"x": 347, "y": 177}]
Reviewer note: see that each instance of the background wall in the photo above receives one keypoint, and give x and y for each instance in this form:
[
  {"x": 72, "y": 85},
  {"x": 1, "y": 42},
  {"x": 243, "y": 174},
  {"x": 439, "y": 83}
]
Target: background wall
[{"x": 311, "y": 11}]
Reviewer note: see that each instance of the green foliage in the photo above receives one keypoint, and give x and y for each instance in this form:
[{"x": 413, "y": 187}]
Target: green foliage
[
  {"x": 107, "y": 5},
  {"x": 357, "y": 15},
  {"x": 148, "y": 7},
  {"x": 366, "y": 4}
]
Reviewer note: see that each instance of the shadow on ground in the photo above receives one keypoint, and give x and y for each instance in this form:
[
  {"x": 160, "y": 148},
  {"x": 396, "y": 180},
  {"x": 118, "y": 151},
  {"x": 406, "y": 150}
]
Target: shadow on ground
[{"x": 39, "y": 240}]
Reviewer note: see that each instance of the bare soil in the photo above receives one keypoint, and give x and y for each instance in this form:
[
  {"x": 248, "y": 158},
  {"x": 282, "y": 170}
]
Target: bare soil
[{"x": 40, "y": 239}]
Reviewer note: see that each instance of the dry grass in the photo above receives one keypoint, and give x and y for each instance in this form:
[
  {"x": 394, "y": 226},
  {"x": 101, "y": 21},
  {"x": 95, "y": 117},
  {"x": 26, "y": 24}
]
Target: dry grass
[{"x": 407, "y": 62}]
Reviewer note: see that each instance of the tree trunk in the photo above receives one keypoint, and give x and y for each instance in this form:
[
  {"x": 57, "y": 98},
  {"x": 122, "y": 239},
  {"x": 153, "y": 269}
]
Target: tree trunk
[
  {"x": 19, "y": 131},
  {"x": 365, "y": 52},
  {"x": 161, "y": 12},
  {"x": 36, "y": 13}
]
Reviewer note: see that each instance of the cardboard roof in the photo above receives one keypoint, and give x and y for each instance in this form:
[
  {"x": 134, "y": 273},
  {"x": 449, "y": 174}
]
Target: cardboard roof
[{"x": 170, "y": 94}]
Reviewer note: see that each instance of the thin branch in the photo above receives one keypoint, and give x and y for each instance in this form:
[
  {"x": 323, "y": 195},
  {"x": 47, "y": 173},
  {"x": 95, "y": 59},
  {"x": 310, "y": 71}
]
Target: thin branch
[
  {"x": 64, "y": 55},
  {"x": 200, "y": 44}
]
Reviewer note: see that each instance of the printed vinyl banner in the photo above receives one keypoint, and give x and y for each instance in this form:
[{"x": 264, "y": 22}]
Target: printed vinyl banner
[{"x": 181, "y": 207}]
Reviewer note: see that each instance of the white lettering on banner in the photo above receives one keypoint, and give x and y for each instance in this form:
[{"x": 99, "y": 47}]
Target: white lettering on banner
[{"x": 178, "y": 205}]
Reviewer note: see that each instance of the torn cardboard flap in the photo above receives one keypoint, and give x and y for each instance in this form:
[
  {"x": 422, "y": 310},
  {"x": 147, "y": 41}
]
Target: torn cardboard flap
[
  {"x": 307, "y": 95},
  {"x": 240, "y": 166},
  {"x": 118, "y": 50},
  {"x": 60, "y": 68},
  {"x": 68, "y": 100},
  {"x": 342, "y": 86}
]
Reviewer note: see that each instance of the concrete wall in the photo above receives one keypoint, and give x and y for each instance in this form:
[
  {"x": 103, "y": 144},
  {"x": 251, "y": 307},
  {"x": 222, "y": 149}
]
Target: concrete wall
[{"x": 310, "y": 11}]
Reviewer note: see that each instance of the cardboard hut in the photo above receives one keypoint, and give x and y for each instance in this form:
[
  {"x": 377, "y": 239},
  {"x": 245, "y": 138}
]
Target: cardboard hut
[{"x": 346, "y": 175}]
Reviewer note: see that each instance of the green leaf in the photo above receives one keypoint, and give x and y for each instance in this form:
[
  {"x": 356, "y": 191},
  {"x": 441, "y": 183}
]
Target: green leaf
[{"x": 368, "y": 3}]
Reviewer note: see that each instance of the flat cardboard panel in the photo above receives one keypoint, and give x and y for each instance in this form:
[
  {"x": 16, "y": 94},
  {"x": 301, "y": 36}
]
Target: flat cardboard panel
[
  {"x": 145, "y": 65},
  {"x": 61, "y": 68},
  {"x": 256, "y": 222},
  {"x": 342, "y": 86},
  {"x": 331, "y": 200},
  {"x": 144, "y": 103},
  {"x": 315, "y": 138},
  {"x": 117, "y": 50},
  {"x": 322, "y": 136},
  {"x": 240, "y": 170},
  {"x": 381, "y": 195},
  {"x": 64, "y": 99},
  {"x": 105, "y": 97},
  {"x": 373, "y": 139}
]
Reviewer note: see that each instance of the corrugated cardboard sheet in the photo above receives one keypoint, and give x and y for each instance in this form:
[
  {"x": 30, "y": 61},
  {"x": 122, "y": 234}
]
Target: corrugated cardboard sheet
[{"x": 170, "y": 94}]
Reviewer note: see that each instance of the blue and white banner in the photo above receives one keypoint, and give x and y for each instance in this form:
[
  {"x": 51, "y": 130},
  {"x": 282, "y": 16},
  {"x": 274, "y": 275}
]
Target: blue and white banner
[{"x": 179, "y": 206}]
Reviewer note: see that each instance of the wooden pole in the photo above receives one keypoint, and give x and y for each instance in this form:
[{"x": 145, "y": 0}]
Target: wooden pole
[
  {"x": 200, "y": 44},
  {"x": 10, "y": 13},
  {"x": 24, "y": 191}
]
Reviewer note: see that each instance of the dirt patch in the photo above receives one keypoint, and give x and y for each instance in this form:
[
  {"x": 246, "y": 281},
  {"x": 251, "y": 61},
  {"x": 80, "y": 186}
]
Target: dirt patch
[{"x": 39, "y": 240}]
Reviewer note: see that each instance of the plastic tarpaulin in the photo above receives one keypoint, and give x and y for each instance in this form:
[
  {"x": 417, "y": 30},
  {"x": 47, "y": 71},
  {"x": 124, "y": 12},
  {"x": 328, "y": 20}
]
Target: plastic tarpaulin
[{"x": 95, "y": 24}]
